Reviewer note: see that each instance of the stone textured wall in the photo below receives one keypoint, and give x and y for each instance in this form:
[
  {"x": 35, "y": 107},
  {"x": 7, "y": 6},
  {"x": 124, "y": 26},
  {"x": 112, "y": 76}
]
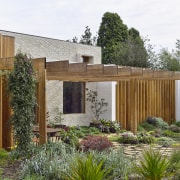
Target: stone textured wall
[{"x": 53, "y": 49}]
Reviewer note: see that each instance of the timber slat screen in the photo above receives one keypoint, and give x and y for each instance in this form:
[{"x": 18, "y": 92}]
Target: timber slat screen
[{"x": 147, "y": 98}]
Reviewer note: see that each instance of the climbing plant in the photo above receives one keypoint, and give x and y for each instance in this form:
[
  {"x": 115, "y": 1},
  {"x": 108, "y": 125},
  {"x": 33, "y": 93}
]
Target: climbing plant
[{"x": 22, "y": 88}]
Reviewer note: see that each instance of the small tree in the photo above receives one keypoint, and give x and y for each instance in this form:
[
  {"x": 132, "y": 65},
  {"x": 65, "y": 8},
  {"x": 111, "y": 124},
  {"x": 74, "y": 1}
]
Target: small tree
[
  {"x": 22, "y": 88},
  {"x": 97, "y": 106}
]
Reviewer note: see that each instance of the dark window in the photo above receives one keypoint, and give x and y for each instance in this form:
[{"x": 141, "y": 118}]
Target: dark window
[
  {"x": 87, "y": 59},
  {"x": 73, "y": 97}
]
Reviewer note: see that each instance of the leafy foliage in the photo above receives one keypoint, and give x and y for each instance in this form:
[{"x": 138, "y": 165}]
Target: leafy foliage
[
  {"x": 119, "y": 45},
  {"x": 157, "y": 122},
  {"x": 165, "y": 141},
  {"x": 174, "y": 128},
  {"x": 111, "y": 31},
  {"x": 98, "y": 143},
  {"x": 97, "y": 106},
  {"x": 87, "y": 169},
  {"x": 174, "y": 167},
  {"x": 69, "y": 137},
  {"x": 86, "y": 38},
  {"x": 165, "y": 59},
  {"x": 145, "y": 138},
  {"x": 131, "y": 52},
  {"x": 51, "y": 162},
  {"x": 152, "y": 165},
  {"x": 120, "y": 164},
  {"x": 22, "y": 88}
]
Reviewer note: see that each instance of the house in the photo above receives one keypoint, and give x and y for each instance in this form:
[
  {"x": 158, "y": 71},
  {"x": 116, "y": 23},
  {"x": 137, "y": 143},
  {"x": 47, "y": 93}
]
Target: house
[
  {"x": 64, "y": 96},
  {"x": 75, "y": 109}
]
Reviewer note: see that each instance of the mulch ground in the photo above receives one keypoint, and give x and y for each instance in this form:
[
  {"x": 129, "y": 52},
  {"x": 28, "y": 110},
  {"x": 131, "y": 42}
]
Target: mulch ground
[{"x": 10, "y": 170}]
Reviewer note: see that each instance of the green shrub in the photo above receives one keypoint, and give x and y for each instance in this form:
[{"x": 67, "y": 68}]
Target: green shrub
[
  {"x": 86, "y": 130},
  {"x": 99, "y": 143},
  {"x": 156, "y": 132},
  {"x": 174, "y": 128},
  {"x": 120, "y": 164},
  {"x": 87, "y": 169},
  {"x": 109, "y": 126},
  {"x": 177, "y": 123},
  {"x": 50, "y": 162},
  {"x": 152, "y": 165},
  {"x": 115, "y": 160},
  {"x": 70, "y": 137},
  {"x": 140, "y": 128},
  {"x": 174, "y": 167},
  {"x": 128, "y": 138},
  {"x": 3, "y": 156},
  {"x": 145, "y": 138},
  {"x": 147, "y": 126},
  {"x": 160, "y": 123},
  {"x": 115, "y": 138},
  {"x": 168, "y": 133},
  {"x": 165, "y": 141},
  {"x": 151, "y": 120},
  {"x": 157, "y": 122}
]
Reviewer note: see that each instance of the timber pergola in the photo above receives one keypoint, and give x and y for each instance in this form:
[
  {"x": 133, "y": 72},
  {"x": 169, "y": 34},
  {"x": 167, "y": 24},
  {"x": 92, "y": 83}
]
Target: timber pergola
[
  {"x": 76, "y": 72},
  {"x": 163, "y": 83},
  {"x": 83, "y": 72}
]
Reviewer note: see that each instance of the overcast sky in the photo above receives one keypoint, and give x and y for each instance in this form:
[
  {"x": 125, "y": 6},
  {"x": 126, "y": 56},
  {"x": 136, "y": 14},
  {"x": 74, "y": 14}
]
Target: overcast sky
[{"x": 64, "y": 19}]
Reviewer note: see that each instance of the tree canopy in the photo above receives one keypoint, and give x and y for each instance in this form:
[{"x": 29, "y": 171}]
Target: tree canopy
[
  {"x": 86, "y": 38},
  {"x": 119, "y": 45},
  {"x": 123, "y": 46}
]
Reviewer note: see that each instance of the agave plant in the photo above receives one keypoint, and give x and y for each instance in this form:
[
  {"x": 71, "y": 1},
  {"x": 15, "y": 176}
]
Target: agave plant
[{"x": 152, "y": 165}]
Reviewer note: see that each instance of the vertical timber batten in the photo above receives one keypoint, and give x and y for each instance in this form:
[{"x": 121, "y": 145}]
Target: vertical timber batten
[
  {"x": 40, "y": 65},
  {"x": 133, "y": 107},
  {"x": 0, "y": 111}
]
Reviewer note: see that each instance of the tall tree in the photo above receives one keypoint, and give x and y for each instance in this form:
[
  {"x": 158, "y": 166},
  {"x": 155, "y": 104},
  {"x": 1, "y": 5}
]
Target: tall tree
[
  {"x": 137, "y": 54},
  {"x": 152, "y": 56},
  {"x": 86, "y": 38},
  {"x": 112, "y": 31},
  {"x": 120, "y": 45},
  {"x": 178, "y": 49},
  {"x": 169, "y": 61},
  {"x": 166, "y": 60},
  {"x": 132, "y": 52}
]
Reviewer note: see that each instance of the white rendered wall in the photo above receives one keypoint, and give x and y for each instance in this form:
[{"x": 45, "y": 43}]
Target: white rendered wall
[
  {"x": 177, "y": 99},
  {"x": 107, "y": 91}
]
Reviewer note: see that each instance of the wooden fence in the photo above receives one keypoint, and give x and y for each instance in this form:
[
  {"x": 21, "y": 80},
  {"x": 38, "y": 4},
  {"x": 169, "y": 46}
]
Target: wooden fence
[{"x": 138, "y": 99}]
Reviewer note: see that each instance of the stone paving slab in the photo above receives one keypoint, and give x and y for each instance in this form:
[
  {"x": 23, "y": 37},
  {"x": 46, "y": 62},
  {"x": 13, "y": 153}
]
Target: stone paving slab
[{"x": 135, "y": 151}]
